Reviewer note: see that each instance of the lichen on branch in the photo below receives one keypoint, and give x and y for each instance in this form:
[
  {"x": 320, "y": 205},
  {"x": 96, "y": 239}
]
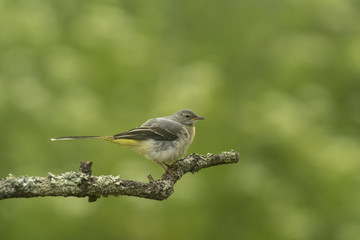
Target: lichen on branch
[{"x": 83, "y": 184}]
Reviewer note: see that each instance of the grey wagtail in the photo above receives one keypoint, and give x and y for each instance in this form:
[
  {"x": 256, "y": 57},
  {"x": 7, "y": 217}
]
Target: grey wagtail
[{"x": 163, "y": 139}]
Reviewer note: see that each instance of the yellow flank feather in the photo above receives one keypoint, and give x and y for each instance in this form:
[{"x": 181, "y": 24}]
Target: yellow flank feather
[
  {"x": 121, "y": 141},
  {"x": 126, "y": 142},
  {"x": 140, "y": 146}
]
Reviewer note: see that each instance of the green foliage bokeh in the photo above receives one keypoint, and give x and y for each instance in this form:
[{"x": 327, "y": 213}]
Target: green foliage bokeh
[{"x": 279, "y": 82}]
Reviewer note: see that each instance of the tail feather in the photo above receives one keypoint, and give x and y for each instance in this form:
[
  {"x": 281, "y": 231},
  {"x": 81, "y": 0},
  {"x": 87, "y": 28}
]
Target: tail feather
[
  {"x": 77, "y": 137},
  {"x": 130, "y": 143}
]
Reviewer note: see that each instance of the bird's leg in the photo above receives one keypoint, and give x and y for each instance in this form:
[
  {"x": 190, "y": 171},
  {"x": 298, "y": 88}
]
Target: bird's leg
[
  {"x": 167, "y": 165},
  {"x": 167, "y": 170},
  {"x": 162, "y": 165}
]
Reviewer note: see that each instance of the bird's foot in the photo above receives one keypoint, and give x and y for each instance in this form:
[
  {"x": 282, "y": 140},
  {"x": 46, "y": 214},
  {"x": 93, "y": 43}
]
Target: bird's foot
[
  {"x": 167, "y": 169},
  {"x": 171, "y": 172}
]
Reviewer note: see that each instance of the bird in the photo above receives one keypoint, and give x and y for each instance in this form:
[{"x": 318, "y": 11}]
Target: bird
[{"x": 163, "y": 139}]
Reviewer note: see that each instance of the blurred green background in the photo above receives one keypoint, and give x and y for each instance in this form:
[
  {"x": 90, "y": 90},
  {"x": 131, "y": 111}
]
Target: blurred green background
[{"x": 279, "y": 82}]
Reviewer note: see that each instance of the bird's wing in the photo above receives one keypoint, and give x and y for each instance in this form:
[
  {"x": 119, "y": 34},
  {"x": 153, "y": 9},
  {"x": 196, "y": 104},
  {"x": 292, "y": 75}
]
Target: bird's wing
[{"x": 157, "y": 129}]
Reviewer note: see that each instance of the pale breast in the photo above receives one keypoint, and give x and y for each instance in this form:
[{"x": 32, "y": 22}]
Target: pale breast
[{"x": 169, "y": 151}]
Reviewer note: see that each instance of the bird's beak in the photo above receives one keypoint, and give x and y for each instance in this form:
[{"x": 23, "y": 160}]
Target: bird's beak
[{"x": 199, "y": 118}]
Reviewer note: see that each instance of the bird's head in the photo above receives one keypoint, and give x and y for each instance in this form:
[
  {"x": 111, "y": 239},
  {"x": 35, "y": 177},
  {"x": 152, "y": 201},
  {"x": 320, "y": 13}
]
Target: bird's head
[{"x": 187, "y": 117}]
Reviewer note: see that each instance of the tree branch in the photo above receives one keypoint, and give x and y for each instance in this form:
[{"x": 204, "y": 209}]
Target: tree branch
[{"x": 82, "y": 183}]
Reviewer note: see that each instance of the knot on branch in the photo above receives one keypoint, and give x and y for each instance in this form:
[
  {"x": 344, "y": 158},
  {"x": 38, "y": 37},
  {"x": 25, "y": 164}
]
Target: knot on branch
[{"x": 85, "y": 168}]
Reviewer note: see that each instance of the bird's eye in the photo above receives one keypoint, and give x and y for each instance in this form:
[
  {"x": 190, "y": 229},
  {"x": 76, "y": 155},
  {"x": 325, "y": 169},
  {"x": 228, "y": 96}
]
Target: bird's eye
[{"x": 187, "y": 116}]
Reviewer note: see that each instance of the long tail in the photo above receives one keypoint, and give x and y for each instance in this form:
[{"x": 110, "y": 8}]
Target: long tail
[
  {"x": 81, "y": 137},
  {"x": 131, "y": 143}
]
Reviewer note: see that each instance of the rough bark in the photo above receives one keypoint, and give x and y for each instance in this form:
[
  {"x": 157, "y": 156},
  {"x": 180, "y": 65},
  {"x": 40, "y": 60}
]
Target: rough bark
[{"x": 83, "y": 184}]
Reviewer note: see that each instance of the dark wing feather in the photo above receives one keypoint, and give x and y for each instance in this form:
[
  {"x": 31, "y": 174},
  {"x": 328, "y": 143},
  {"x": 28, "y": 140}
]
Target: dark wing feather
[{"x": 143, "y": 133}]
